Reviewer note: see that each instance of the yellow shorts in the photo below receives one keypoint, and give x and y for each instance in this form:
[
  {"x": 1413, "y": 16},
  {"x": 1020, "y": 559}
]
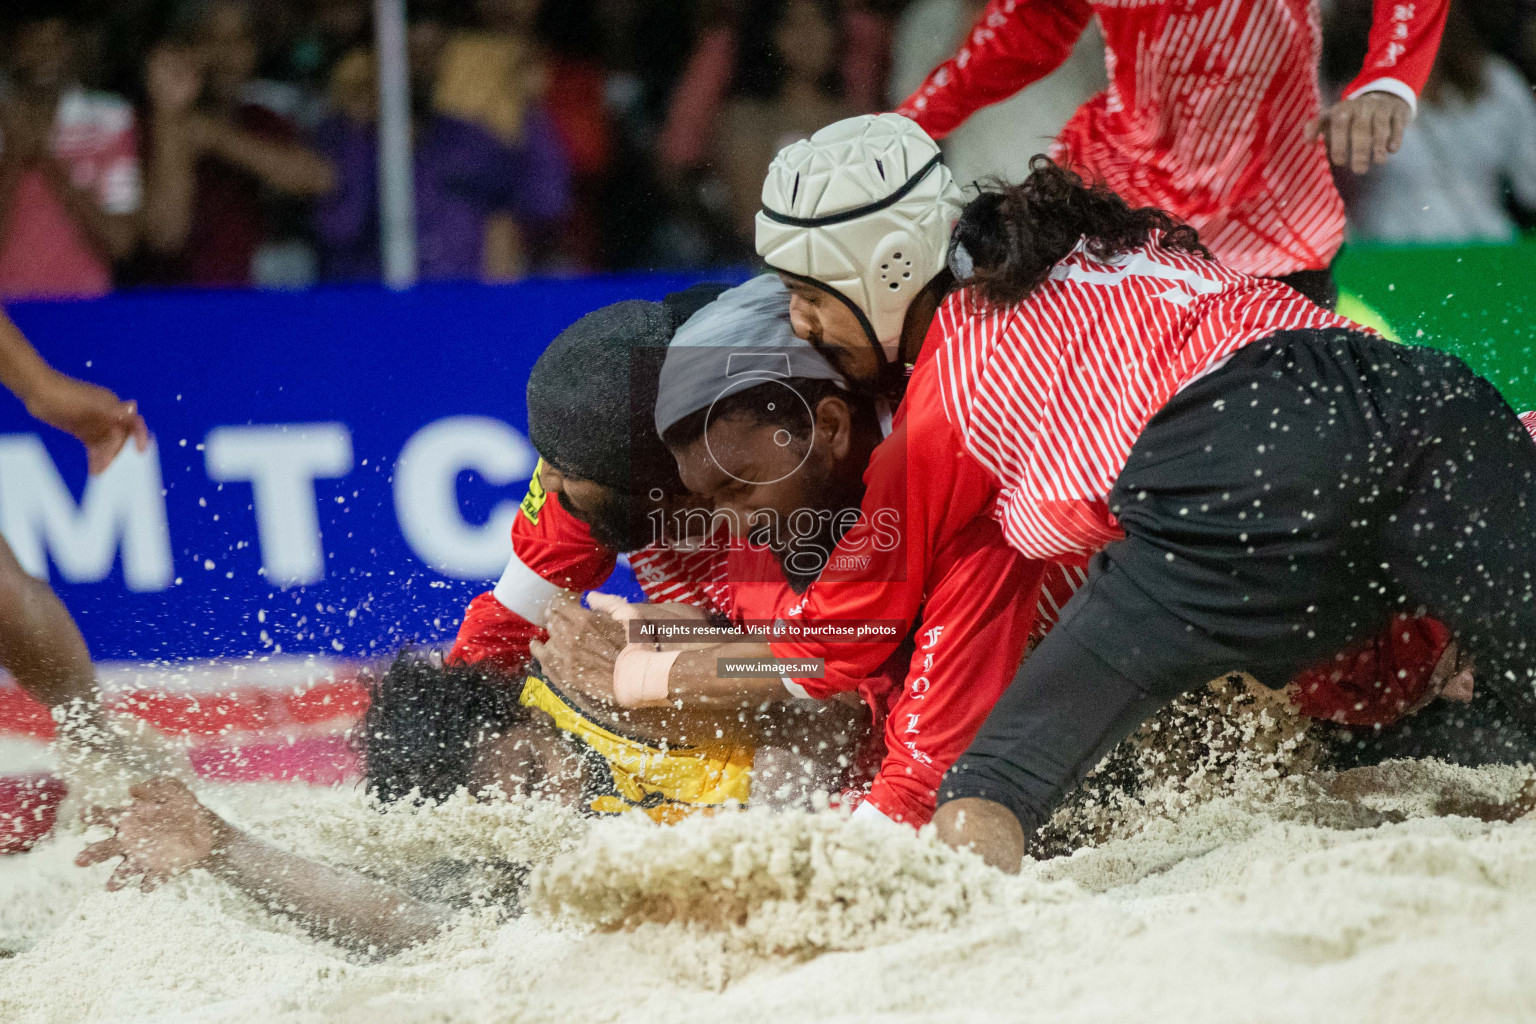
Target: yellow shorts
[{"x": 668, "y": 783}]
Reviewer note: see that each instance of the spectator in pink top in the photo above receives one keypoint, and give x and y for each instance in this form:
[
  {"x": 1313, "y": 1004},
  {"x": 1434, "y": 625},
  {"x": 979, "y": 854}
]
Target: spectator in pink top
[{"x": 69, "y": 169}]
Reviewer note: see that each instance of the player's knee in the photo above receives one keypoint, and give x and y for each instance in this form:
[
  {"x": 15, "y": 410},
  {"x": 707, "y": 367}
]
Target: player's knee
[
  {"x": 1000, "y": 784},
  {"x": 21, "y": 594},
  {"x": 11, "y": 572}
]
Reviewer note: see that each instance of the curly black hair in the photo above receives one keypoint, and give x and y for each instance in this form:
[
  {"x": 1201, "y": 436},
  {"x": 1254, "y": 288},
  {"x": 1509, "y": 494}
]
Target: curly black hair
[
  {"x": 424, "y": 721},
  {"x": 1015, "y": 234}
]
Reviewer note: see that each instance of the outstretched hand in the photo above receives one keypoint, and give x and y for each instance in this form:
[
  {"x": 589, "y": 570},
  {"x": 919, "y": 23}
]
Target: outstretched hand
[
  {"x": 1363, "y": 131},
  {"x": 1454, "y": 678},
  {"x": 97, "y": 417},
  {"x": 163, "y": 833}
]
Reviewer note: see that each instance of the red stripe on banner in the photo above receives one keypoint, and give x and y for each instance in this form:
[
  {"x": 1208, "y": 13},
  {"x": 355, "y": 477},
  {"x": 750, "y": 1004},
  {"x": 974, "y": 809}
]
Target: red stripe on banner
[
  {"x": 317, "y": 760},
  {"x": 244, "y": 710},
  {"x": 20, "y": 715},
  {"x": 29, "y": 806},
  {"x": 276, "y": 732},
  {"x": 248, "y": 709},
  {"x": 327, "y": 701}
]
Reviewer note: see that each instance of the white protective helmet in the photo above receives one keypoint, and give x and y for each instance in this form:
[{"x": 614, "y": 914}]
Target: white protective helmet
[{"x": 864, "y": 208}]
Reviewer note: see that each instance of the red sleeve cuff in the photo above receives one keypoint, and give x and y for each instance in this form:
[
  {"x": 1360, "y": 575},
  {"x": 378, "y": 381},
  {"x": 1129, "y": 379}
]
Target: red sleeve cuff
[
  {"x": 1375, "y": 682},
  {"x": 898, "y": 804}
]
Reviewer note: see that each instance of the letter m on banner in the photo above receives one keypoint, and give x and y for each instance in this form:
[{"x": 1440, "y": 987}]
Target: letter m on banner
[{"x": 123, "y": 507}]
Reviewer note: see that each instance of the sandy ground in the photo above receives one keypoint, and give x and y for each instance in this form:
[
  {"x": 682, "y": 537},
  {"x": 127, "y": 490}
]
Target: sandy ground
[{"x": 1316, "y": 897}]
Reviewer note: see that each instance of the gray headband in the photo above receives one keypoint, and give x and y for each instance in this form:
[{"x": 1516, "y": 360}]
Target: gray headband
[{"x": 740, "y": 340}]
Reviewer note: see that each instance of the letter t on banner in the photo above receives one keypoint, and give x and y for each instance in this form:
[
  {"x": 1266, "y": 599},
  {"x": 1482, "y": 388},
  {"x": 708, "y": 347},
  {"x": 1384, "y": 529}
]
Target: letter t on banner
[{"x": 282, "y": 463}]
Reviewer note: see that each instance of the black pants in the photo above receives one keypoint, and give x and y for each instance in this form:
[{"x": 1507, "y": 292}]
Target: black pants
[
  {"x": 1317, "y": 285},
  {"x": 1474, "y": 734},
  {"x": 1275, "y": 510}
]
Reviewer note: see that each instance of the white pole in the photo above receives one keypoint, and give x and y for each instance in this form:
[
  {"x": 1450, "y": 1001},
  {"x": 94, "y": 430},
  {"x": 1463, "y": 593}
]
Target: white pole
[{"x": 397, "y": 187}]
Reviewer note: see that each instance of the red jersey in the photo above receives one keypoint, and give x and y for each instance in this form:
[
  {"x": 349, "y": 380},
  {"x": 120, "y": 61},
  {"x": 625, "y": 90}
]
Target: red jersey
[
  {"x": 1206, "y": 110},
  {"x": 967, "y": 616},
  {"x": 554, "y": 552},
  {"x": 1049, "y": 395},
  {"x": 1034, "y": 439},
  {"x": 925, "y": 554}
]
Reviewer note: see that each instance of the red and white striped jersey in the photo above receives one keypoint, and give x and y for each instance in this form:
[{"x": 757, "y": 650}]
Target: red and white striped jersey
[
  {"x": 1206, "y": 110},
  {"x": 1049, "y": 395},
  {"x": 682, "y": 576}
]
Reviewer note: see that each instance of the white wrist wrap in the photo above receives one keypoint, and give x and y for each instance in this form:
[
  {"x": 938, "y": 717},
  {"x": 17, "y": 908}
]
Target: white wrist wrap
[{"x": 640, "y": 676}]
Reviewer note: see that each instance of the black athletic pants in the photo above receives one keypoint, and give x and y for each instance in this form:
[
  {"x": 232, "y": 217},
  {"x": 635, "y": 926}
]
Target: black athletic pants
[
  {"x": 1317, "y": 285},
  {"x": 1275, "y": 510},
  {"x": 1473, "y": 734}
]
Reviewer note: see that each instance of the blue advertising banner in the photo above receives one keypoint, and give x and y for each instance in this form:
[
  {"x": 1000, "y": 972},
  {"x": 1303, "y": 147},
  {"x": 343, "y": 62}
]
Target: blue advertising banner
[{"x": 334, "y": 472}]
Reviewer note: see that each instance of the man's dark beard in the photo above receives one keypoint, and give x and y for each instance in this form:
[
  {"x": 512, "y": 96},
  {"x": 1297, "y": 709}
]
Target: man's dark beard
[
  {"x": 616, "y": 524},
  {"x": 806, "y": 557},
  {"x": 804, "y": 562}
]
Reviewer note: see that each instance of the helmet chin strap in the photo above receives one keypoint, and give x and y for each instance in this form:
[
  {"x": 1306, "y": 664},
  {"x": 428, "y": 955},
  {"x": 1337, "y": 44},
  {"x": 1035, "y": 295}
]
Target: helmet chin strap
[{"x": 890, "y": 377}]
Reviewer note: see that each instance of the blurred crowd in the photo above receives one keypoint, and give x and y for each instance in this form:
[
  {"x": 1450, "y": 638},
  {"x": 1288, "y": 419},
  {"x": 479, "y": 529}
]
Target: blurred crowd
[{"x": 234, "y": 142}]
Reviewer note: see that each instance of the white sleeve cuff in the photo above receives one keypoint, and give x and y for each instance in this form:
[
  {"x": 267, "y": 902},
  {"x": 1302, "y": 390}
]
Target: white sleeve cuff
[
  {"x": 524, "y": 592},
  {"x": 867, "y": 811},
  {"x": 1397, "y": 87},
  {"x": 795, "y": 689}
]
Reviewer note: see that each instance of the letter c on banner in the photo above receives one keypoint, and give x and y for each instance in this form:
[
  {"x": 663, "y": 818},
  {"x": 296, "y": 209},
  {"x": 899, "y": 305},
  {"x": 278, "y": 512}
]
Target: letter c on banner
[{"x": 427, "y": 497}]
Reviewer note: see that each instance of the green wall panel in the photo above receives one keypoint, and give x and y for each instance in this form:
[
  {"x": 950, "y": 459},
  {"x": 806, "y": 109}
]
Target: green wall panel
[{"x": 1476, "y": 301}]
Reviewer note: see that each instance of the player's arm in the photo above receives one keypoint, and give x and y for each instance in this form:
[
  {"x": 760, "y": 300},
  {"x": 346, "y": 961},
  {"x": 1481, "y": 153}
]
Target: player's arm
[
  {"x": 39, "y": 643},
  {"x": 1382, "y": 679},
  {"x": 975, "y": 629},
  {"x": 494, "y": 636},
  {"x": 1366, "y": 126},
  {"x": 922, "y": 491},
  {"x": 553, "y": 553},
  {"x": 599, "y": 664},
  {"x": 1012, "y": 44},
  {"x": 166, "y": 831}
]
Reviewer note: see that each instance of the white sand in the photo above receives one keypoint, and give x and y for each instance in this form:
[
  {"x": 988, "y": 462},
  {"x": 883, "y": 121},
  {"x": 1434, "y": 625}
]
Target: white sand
[{"x": 1308, "y": 898}]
